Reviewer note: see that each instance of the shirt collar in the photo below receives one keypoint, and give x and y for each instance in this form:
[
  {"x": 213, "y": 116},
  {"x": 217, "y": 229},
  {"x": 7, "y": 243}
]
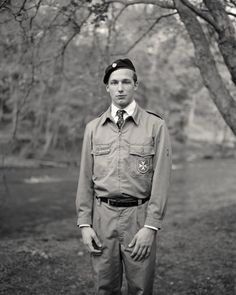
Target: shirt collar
[
  {"x": 107, "y": 115},
  {"x": 129, "y": 109},
  {"x": 132, "y": 110}
]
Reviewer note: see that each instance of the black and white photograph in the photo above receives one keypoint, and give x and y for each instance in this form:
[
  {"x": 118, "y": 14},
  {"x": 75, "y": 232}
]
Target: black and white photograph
[{"x": 118, "y": 147}]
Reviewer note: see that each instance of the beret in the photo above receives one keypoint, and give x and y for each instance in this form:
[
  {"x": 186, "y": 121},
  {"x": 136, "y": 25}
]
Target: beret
[{"x": 118, "y": 64}]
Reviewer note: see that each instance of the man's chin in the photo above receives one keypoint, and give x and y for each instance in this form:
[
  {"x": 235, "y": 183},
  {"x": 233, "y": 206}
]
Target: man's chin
[{"x": 122, "y": 103}]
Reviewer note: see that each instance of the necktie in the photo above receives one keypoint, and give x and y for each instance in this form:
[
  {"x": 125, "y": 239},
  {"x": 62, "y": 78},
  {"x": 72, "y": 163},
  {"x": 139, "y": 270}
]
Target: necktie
[{"x": 120, "y": 114}]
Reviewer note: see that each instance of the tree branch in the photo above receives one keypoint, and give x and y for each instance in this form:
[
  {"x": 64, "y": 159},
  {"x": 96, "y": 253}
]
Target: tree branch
[
  {"x": 145, "y": 33},
  {"x": 2, "y": 5},
  {"x": 207, "y": 66},
  {"x": 206, "y": 16},
  {"x": 22, "y": 7},
  {"x": 168, "y": 4},
  {"x": 77, "y": 30},
  {"x": 37, "y": 6},
  {"x": 233, "y": 2},
  {"x": 226, "y": 34},
  {"x": 119, "y": 13}
]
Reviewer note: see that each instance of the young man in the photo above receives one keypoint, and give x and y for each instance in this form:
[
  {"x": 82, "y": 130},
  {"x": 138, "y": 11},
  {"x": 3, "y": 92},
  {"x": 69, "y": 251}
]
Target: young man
[{"x": 122, "y": 191}]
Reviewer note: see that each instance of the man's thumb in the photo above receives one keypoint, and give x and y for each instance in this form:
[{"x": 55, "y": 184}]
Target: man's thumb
[{"x": 97, "y": 241}]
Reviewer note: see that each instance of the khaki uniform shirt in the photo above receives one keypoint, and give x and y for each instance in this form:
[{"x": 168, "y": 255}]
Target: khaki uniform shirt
[{"x": 135, "y": 161}]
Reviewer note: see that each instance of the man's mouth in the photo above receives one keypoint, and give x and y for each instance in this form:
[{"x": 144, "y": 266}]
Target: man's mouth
[{"x": 121, "y": 96}]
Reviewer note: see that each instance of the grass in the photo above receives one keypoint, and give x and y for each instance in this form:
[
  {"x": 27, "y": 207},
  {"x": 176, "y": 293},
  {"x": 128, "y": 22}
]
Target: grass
[{"x": 41, "y": 251}]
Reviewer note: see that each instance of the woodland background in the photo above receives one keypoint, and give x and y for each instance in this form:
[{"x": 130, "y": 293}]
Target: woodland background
[
  {"x": 53, "y": 56},
  {"x": 52, "y": 60}
]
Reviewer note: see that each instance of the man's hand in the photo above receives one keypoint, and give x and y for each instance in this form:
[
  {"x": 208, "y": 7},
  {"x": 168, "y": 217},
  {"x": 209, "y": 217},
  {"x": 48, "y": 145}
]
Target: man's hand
[
  {"x": 142, "y": 243},
  {"x": 91, "y": 240}
]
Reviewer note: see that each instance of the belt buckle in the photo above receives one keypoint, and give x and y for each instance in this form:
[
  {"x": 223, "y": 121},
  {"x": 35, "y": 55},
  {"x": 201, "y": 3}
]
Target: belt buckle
[{"x": 140, "y": 201}]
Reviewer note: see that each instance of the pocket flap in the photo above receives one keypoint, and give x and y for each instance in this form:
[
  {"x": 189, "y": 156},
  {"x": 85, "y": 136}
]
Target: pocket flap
[
  {"x": 142, "y": 151},
  {"x": 101, "y": 149}
]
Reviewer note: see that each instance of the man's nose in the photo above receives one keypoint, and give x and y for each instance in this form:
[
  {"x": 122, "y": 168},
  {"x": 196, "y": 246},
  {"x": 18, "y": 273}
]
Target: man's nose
[{"x": 120, "y": 87}]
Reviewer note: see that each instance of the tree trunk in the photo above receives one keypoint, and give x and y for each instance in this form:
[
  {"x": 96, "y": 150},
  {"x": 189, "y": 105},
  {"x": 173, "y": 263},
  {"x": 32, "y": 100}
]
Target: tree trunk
[
  {"x": 206, "y": 64},
  {"x": 48, "y": 135},
  {"x": 226, "y": 34},
  {"x": 192, "y": 112},
  {"x": 15, "y": 117}
]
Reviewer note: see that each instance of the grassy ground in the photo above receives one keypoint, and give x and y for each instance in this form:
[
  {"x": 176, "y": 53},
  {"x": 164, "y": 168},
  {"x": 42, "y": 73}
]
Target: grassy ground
[{"x": 41, "y": 251}]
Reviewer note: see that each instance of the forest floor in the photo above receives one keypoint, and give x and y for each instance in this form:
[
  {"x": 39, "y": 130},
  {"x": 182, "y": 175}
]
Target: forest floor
[{"x": 41, "y": 251}]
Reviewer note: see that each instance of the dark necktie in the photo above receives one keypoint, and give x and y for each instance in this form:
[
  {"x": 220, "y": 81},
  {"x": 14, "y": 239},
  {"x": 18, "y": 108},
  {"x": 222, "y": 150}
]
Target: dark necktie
[{"x": 120, "y": 114}]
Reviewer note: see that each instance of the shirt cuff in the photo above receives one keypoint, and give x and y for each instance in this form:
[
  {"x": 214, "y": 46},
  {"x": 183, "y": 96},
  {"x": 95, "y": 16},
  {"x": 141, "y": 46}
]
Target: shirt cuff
[
  {"x": 83, "y": 225},
  {"x": 152, "y": 227}
]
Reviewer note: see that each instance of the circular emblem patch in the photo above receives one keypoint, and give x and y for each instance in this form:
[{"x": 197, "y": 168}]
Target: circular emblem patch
[
  {"x": 143, "y": 165},
  {"x": 114, "y": 64}
]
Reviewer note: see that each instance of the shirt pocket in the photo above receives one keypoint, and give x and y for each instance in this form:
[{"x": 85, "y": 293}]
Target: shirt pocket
[
  {"x": 101, "y": 153},
  {"x": 141, "y": 160}
]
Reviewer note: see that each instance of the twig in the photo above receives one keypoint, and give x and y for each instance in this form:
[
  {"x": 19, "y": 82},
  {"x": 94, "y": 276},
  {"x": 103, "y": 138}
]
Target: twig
[
  {"x": 36, "y": 12},
  {"x": 169, "y": 4},
  {"x": 233, "y": 2},
  {"x": 76, "y": 32},
  {"x": 145, "y": 33},
  {"x": 2, "y": 5}
]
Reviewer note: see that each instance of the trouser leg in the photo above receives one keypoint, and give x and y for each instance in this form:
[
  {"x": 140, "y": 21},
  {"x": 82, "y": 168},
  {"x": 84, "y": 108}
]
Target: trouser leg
[
  {"x": 139, "y": 274},
  {"x": 116, "y": 228},
  {"x": 108, "y": 266}
]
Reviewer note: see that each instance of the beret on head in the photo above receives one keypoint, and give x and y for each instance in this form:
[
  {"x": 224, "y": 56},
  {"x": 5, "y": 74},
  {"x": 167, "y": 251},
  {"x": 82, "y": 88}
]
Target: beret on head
[{"x": 118, "y": 64}]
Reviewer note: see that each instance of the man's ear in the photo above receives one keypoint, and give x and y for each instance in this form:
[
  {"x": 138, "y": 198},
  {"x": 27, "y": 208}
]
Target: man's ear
[
  {"x": 107, "y": 88},
  {"x": 136, "y": 85}
]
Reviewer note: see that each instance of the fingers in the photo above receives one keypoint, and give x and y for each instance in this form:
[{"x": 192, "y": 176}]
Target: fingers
[
  {"x": 91, "y": 241},
  {"x": 94, "y": 249},
  {"x": 137, "y": 253},
  {"x": 140, "y": 253},
  {"x": 96, "y": 241},
  {"x": 97, "y": 246},
  {"x": 143, "y": 254},
  {"x": 147, "y": 252}
]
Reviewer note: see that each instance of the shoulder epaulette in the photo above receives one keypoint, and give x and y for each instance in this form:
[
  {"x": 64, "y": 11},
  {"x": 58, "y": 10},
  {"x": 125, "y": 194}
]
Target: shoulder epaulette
[
  {"x": 101, "y": 114},
  {"x": 155, "y": 114}
]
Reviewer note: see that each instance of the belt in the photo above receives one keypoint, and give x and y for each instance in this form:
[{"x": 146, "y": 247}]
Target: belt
[{"x": 122, "y": 202}]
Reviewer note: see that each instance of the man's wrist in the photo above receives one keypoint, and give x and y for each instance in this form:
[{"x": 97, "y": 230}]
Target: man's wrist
[
  {"x": 151, "y": 227},
  {"x": 84, "y": 225}
]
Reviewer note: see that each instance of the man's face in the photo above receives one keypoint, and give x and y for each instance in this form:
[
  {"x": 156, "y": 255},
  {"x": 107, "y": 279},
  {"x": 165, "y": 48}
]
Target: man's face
[{"x": 121, "y": 87}]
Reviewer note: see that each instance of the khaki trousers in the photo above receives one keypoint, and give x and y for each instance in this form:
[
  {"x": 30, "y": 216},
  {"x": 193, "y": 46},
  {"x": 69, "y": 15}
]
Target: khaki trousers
[{"x": 116, "y": 227}]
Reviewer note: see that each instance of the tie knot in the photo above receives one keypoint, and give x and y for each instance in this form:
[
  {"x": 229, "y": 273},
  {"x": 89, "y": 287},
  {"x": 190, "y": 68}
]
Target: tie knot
[{"x": 120, "y": 113}]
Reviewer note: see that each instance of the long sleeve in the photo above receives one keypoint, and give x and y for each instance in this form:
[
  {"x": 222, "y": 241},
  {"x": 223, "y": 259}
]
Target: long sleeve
[
  {"x": 84, "y": 197},
  {"x": 161, "y": 179}
]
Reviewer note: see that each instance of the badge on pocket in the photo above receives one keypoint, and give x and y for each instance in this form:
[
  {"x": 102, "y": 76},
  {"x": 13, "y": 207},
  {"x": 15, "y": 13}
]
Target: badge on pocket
[{"x": 143, "y": 165}]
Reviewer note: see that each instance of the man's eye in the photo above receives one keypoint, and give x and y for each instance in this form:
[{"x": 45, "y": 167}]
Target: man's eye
[
  {"x": 126, "y": 82},
  {"x": 114, "y": 82}
]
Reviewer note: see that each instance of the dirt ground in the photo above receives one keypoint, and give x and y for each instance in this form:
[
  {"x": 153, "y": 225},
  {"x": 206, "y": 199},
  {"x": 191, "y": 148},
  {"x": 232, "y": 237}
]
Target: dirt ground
[{"x": 41, "y": 251}]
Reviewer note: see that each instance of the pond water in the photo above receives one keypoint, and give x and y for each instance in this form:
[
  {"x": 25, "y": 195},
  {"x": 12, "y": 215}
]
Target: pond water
[{"x": 29, "y": 197}]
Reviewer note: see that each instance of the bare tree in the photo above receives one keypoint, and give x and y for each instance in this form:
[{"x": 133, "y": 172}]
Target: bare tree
[{"x": 215, "y": 14}]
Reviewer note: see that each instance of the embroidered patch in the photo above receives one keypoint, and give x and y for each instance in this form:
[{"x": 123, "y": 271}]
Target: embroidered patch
[{"x": 143, "y": 165}]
